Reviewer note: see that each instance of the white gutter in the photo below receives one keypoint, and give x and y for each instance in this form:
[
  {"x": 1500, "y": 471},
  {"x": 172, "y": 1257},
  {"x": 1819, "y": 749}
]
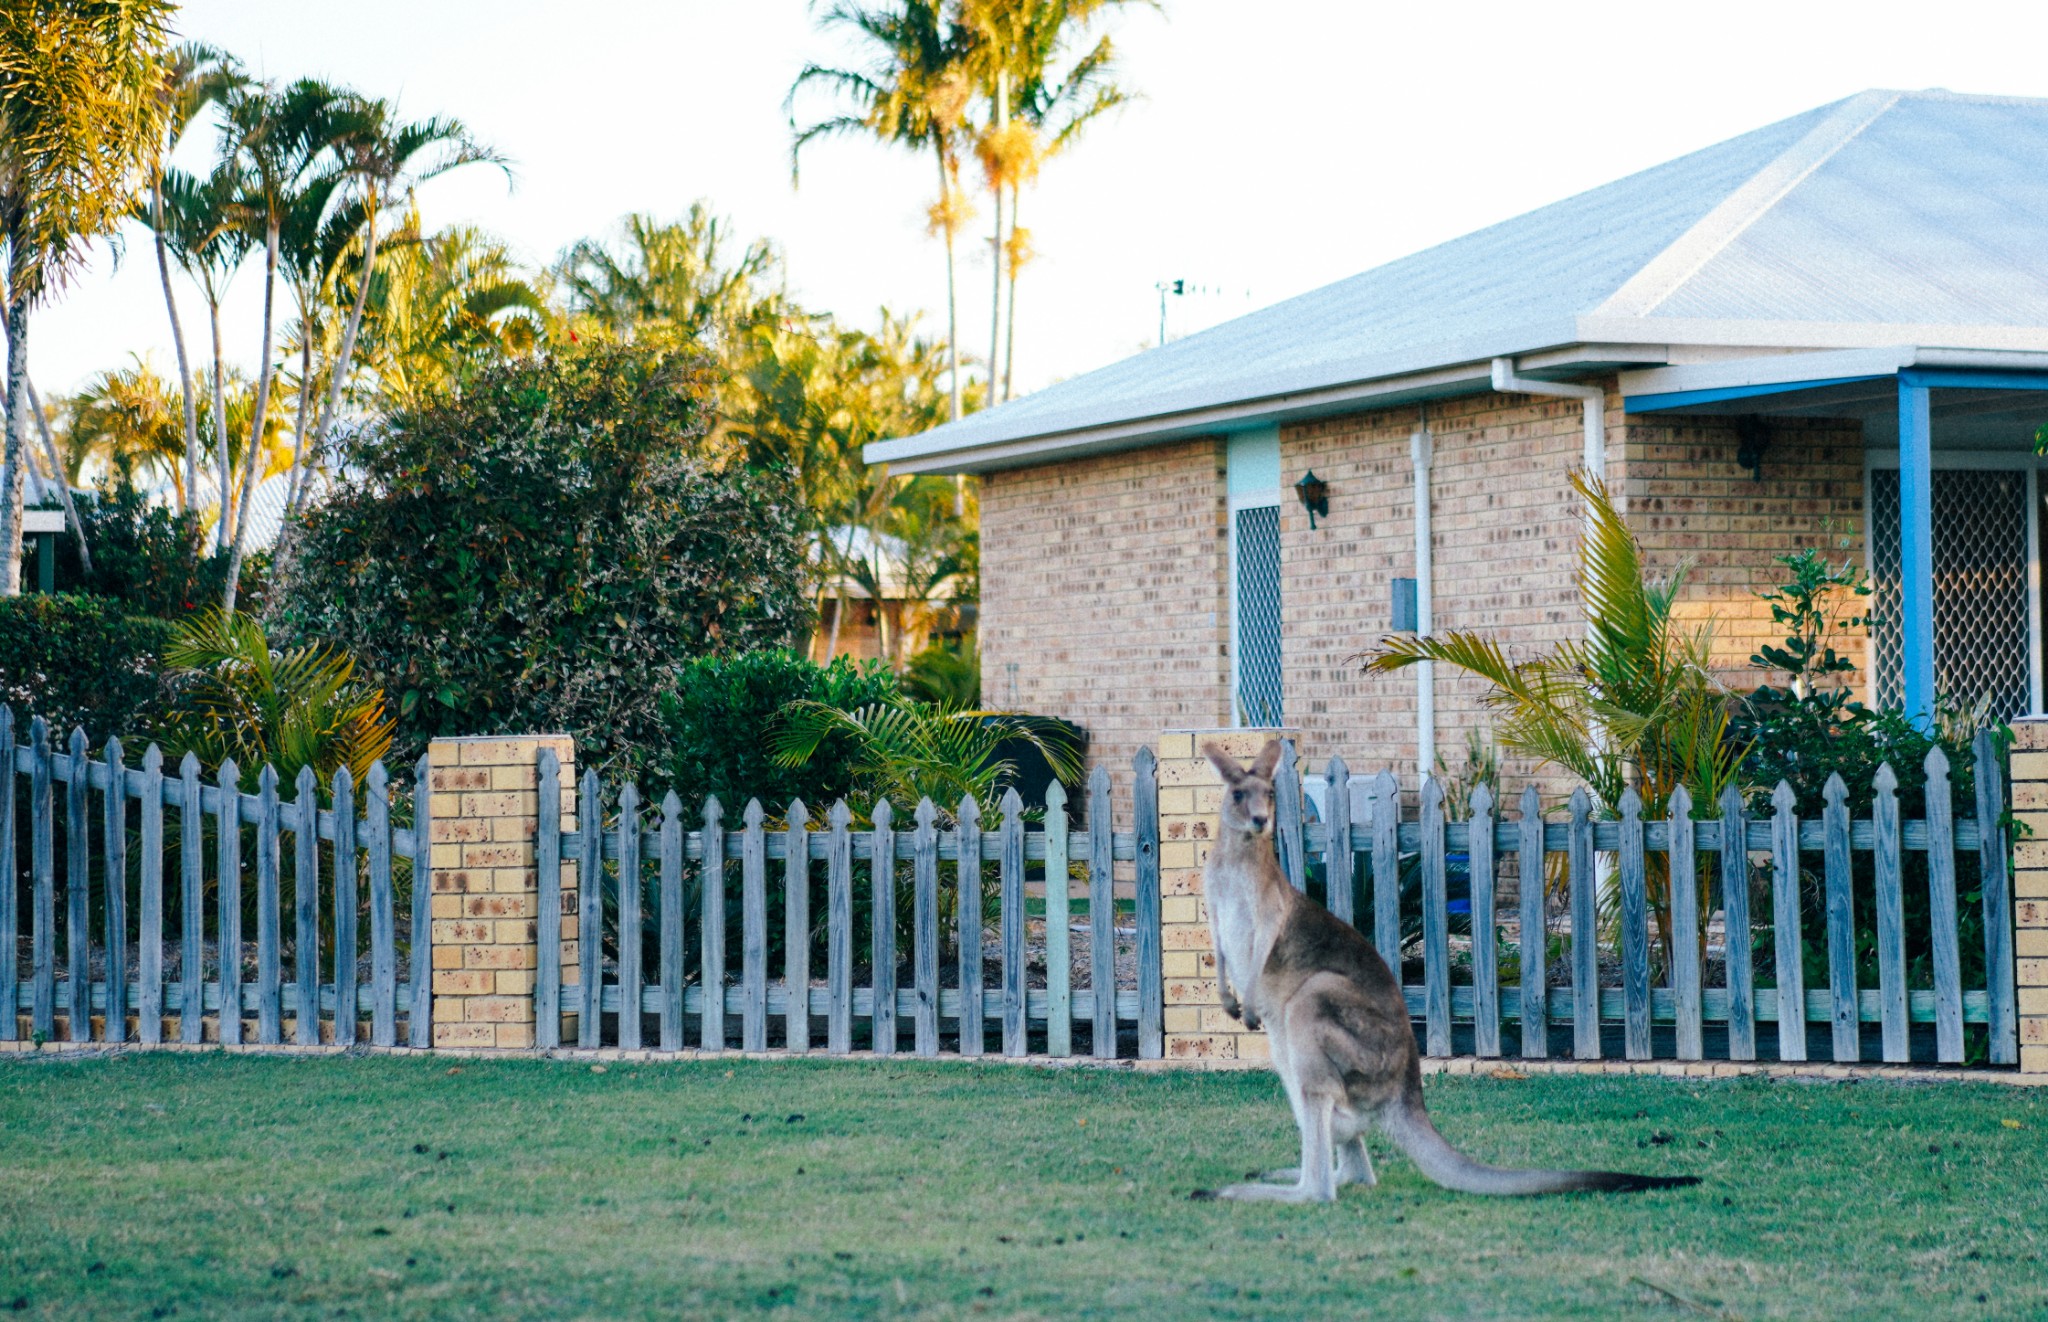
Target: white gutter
[
  {"x": 1422, "y": 452},
  {"x": 1594, "y": 398}
]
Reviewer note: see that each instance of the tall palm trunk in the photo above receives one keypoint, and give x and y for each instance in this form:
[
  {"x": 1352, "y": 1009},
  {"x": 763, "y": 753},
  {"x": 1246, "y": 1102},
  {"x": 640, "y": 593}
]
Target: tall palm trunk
[
  {"x": 35, "y": 406},
  {"x": 1010, "y": 259},
  {"x": 295, "y": 474},
  {"x": 14, "y": 454},
  {"x": 254, "y": 450},
  {"x": 995, "y": 312},
  {"x": 332, "y": 405},
  {"x": 190, "y": 492},
  {"x": 224, "y": 507},
  {"x": 952, "y": 298}
]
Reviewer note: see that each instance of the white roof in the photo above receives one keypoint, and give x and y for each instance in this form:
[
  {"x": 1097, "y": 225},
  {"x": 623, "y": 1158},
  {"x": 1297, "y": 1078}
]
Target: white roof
[{"x": 1887, "y": 219}]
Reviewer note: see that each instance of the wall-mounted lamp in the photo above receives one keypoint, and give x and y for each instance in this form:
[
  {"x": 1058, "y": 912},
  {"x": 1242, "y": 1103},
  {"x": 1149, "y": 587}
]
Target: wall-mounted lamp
[
  {"x": 1752, "y": 439},
  {"x": 1315, "y": 497}
]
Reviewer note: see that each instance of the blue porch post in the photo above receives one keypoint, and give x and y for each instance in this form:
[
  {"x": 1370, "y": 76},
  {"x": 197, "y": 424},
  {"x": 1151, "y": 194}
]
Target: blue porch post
[{"x": 1916, "y": 548}]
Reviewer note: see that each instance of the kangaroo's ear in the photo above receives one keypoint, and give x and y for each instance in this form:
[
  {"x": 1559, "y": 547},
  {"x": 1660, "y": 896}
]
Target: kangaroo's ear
[
  {"x": 1268, "y": 759},
  {"x": 1226, "y": 765}
]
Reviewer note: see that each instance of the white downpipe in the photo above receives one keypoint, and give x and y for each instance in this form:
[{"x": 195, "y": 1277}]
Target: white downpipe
[
  {"x": 1593, "y": 397},
  {"x": 1422, "y": 452}
]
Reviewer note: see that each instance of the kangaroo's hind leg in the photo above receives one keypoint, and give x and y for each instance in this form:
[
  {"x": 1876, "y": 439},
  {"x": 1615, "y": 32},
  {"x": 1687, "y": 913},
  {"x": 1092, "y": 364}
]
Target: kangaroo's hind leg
[
  {"x": 1354, "y": 1164},
  {"x": 1317, "y": 1181}
]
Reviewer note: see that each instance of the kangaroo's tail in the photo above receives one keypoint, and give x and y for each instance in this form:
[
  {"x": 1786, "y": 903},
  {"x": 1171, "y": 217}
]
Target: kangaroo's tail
[{"x": 1410, "y": 1128}]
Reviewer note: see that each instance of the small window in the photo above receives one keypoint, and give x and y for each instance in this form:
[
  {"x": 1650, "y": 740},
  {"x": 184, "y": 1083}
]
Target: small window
[{"x": 1257, "y": 615}]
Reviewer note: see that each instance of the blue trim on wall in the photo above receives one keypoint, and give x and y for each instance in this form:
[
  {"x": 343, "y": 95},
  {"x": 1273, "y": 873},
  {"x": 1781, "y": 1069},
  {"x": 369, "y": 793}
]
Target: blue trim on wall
[
  {"x": 1916, "y": 548},
  {"x": 1680, "y": 399},
  {"x": 1964, "y": 379}
]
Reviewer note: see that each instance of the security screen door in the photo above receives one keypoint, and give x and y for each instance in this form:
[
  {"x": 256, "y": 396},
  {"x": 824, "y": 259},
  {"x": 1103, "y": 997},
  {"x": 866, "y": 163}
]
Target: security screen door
[{"x": 1985, "y": 609}]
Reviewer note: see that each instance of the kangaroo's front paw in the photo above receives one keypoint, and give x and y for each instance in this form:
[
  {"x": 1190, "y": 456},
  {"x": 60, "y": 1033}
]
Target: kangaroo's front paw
[
  {"x": 1231, "y": 1007},
  {"x": 1252, "y": 1020}
]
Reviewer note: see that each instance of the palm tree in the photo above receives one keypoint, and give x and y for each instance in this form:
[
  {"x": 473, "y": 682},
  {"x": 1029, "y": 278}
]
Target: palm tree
[
  {"x": 1635, "y": 704},
  {"x": 128, "y": 417},
  {"x": 79, "y": 122},
  {"x": 197, "y": 76},
  {"x": 446, "y": 305},
  {"x": 683, "y": 274},
  {"x": 202, "y": 229},
  {"x": 914, "y": 93},
  {"x": 1034, "y": 113},
  {"x": 384, "y": 158},
  {"x": 283, "y": 137}
]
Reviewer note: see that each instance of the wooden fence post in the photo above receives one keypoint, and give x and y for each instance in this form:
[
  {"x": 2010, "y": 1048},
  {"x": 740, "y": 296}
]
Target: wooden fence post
[
  {"x": 2030, "y": 890},
  {"x": 1196, "y": 1028},
  {"x": 486, "y": 887}
]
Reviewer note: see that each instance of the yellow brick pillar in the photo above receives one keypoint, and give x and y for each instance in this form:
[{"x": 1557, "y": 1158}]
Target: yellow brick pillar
[
  {"x": 486, "y": 892},
  {"x": 1190, "y": 792},
  {"x": 2030, "y": 890}
]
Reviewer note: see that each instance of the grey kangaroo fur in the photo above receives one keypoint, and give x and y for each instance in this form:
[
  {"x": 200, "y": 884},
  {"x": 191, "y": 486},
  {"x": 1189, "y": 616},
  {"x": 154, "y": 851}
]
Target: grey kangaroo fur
[{"x": 1336, "y": 1021}]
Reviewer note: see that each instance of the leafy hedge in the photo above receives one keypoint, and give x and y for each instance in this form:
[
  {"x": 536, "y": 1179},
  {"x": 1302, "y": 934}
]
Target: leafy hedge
[
  {"x": 79, "y": 660},
  {"x": 155, "y": 560},
  {"x": 723, "y": 710},
  {"x": 543, "y": 551}
]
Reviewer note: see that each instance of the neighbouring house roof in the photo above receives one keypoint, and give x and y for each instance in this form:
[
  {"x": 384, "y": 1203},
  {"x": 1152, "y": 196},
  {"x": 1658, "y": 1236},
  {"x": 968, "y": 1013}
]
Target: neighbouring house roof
[{"x": 1886, "y": 219}]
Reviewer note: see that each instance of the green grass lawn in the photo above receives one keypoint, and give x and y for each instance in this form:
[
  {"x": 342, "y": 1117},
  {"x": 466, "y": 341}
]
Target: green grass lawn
[{"x": 242, "y": 1186}]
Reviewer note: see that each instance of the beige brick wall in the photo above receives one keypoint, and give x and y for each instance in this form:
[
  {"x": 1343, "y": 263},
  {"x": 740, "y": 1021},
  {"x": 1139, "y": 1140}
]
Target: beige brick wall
[
  {"x": 1689, "y": 501},
  {"x": 1190, "y": 793},
  {"x": 1504, "y": 530},
  {"x": 486, "y": 889},
  {"x": 1103, "y": 581},
  {"x": 2030, "y": 890}
]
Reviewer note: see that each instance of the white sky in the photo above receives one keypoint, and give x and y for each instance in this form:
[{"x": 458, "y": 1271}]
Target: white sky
[{"x": 1279, "y": 145}]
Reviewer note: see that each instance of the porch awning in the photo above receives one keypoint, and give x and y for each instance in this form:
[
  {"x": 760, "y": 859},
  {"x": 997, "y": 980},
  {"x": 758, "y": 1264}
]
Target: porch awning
[{"x": 1917, "y": 398}]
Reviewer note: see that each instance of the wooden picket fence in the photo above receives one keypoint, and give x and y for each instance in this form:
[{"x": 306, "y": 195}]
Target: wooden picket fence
[
  {"x": 1382, "y": 839},
  {"x": 97, "y": 847},
  {"x": 891, "y": 864},
  {"x": 330, "y": 861}
]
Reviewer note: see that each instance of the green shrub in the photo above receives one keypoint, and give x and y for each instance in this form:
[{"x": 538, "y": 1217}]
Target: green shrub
[
  {"x": 79, "y": 660},
  {"x": 542, "y": 552},
  {"x": 154, "y": 560},
  {"x": 721, "y": 715},
  {"x": 947, "y": 675}
]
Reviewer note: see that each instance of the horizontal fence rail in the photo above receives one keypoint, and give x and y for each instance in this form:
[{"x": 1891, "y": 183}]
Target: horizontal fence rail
[
  {"x": 264, "y": 903},
  {"x": 1621, "y": 910},
  {"x": 922, "y": 936}
]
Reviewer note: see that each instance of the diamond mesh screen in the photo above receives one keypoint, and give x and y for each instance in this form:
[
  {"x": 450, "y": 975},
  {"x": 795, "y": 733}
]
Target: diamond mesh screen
[
  {"x": 1258, "y": 615},
  {"x": 1980, "y": 587}
]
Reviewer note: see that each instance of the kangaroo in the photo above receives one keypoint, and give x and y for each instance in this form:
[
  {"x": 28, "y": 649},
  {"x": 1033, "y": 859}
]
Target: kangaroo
[{"x": 1335, "y": 1020}]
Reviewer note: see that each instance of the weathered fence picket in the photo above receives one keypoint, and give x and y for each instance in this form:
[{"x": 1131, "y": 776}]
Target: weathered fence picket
[
  {"x": 1287, "y": 821},
  {"x": 78, "y": 891},
  {"x": 630, "y": 947},
  {"x": 753, "y": 930},
  {"x": 420, "y": 1012},
  {"x": 839, "y": 932},
  {"x": 1386, "y": 862},
  {"x": 1740, "y": 971},
  {"x": 1941, "y": 909},
  {"x": 228, "y": 896},
  {"x": 1101, "y": 917},
  {"x": 1151, "y": 981},
  {"x": 306, "y": 908},
  {"x": 1891, "y": 908},
  {"x": 669, "y": 959},
  {"x": 882, "y": 928},
  {"x": 10, "y": 916},
  {"x": 346, "y": 1007},
  {"x": 1585, "y": 942},
  {"x": 967, "y": 928},
  {"x": 1534, "y": 929},
  {"x": 149, "y": 937},
  {"x": 711, "y": 932},
  {"x": 114, "y": 874},
  {"x": 1010, "y": 837},
  {"x": 1479, "y": 867},
  {"x": 191, "y": 890},
  {"x": 1338, "y": 861},
  {"x": 1436, "y": 919},
  {"x": 1635, "y": 930},
  {"x": 590, "y": 908},
  {"x": 1686, "y": 940},
  {"x": 1790, "y": 1006},
  {"x": 1059, "y": 966},
  {"x": 925, "y": 928},
  {"x": 547, "y": 919},
  {"x": 383, "y": 910},
  {"x": 1841, "y": 899},
  {"x": 269, "y": 995},
  {"x": 796, "y": 929}
]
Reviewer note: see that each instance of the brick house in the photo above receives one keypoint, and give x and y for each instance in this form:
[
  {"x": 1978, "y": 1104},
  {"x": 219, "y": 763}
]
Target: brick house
[{"x": 1829, "y": 331}]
